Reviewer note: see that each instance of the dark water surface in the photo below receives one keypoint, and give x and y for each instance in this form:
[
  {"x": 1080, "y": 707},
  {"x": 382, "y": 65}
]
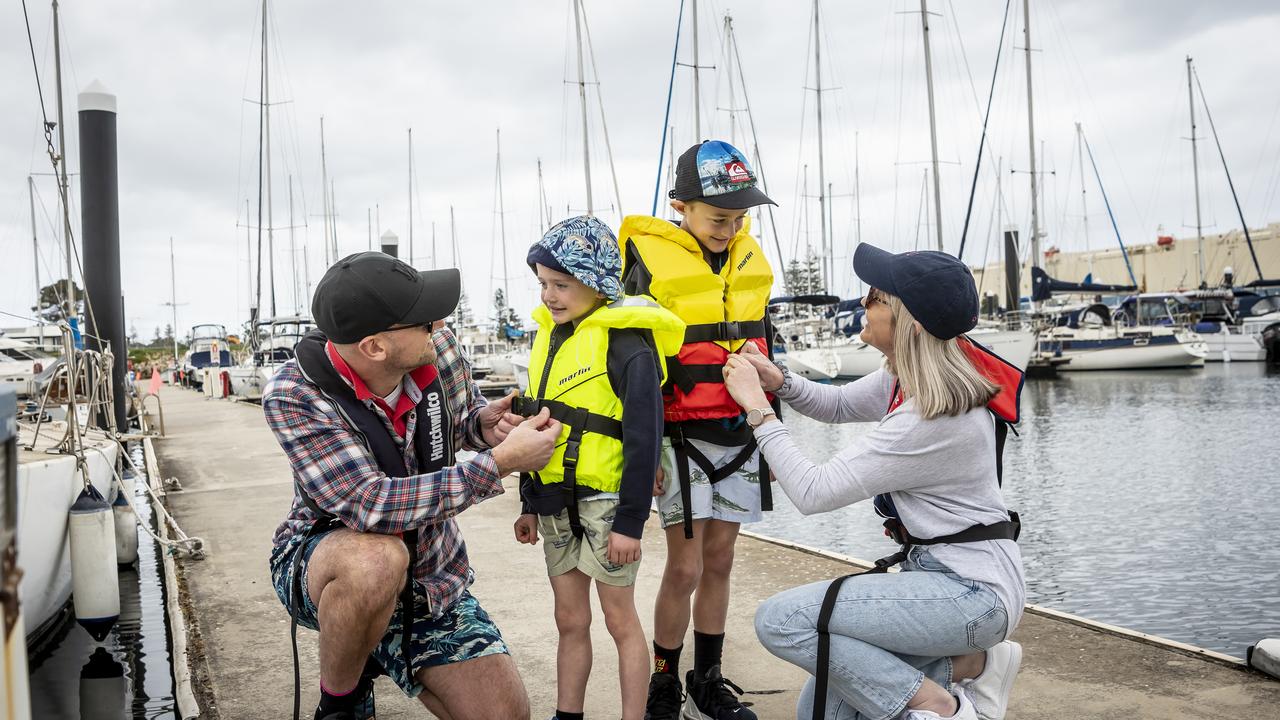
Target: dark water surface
[
  {"x": 1150, "y": 500},
  {"x": 128, "y": 676}
]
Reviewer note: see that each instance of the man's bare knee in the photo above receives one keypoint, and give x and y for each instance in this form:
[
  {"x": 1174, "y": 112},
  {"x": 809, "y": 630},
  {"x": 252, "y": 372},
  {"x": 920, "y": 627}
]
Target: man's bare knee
[{"x": 371, "y": 567}]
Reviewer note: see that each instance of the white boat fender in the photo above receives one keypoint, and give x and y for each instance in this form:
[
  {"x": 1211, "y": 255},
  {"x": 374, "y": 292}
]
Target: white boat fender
[
  {"x": 95, "y": 587},
  {"x": 104, "y": 690},
  {"x": 126, "y": 523},
  {"x": 1265, "y": 657}
]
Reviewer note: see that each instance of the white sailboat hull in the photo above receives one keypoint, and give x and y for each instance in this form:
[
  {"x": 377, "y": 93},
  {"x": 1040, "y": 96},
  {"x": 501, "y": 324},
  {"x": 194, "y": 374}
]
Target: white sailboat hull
[
  {"x": 814, "y": 363},
  {"x": 47, "y": 487},
  {"x": 858, "y": 359},
  {"x": 1234, "y": 347},
  {"x": 1105, "y": 350},
  {"x": 1014, "y": 346}
]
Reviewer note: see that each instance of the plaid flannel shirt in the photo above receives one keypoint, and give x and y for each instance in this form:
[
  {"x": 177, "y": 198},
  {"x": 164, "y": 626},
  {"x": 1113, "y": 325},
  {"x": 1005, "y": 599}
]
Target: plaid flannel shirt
[{"x": 339, "y": 473}]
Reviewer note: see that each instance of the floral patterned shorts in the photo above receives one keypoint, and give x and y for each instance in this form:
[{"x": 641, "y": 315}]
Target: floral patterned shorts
[{"x": 733, "y": 499}]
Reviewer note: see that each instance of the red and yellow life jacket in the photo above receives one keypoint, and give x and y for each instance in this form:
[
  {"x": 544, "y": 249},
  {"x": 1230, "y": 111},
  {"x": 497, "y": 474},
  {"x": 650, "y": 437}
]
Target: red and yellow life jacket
[{"x": 721, "y": 310}]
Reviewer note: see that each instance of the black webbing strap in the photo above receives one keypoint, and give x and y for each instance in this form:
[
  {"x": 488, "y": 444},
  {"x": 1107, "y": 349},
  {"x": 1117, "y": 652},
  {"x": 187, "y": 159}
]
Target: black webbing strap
[
  {"x": 406, "y": 600},
  {"x": 728, "y": 330},
  {"x": 1004, "y": 530},
  {"x": 578, "y": 418},
  {"x": 325, "y": 523},
  {"x": 577, "y": 421},
  {"x": 824, "y": 633},
  {"x": 685, "y": 451},
  {"x": 686, "y": 376}
]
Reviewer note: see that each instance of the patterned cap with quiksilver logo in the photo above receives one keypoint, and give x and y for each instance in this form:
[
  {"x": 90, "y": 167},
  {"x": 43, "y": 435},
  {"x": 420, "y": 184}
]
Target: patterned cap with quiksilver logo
[{"x": 718, "y": 174}]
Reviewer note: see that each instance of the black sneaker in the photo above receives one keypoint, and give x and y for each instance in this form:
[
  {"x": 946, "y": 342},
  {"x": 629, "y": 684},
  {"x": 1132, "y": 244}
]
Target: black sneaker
[
  {"x": 711, "y": 697},
  {"x": 665, "y": 696},
  {"x": 335, "y": 715}
]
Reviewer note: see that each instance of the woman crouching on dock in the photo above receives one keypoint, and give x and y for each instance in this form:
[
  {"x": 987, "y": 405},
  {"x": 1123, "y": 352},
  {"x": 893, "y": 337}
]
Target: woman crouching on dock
[{"x": 930, "y": 641}]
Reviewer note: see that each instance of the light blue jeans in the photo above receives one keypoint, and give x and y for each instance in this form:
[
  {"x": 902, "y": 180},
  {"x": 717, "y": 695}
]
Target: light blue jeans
[{"x": 889, "y": 632}]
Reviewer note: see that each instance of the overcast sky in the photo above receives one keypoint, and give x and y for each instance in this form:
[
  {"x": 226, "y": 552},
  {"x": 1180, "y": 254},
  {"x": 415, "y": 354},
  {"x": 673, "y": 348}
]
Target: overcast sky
[{"x": 456, "y": 72}]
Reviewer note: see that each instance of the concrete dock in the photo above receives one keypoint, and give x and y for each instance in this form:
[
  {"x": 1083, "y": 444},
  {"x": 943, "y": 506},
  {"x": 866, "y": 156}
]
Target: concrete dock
[{"x": 237, "y": 488}]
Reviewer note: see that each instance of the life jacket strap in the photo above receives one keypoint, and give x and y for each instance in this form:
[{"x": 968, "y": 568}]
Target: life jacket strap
[
  {"x": 685, "y": 451},
  {"x": 686, "y": 376},
  {"x": 724, "y": 331},
  {"x": 575, "y": 417}
]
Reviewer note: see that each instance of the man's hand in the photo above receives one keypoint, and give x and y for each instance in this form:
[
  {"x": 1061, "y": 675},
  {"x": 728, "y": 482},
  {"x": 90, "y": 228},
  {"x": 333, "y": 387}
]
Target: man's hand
[
  {"x": 658, "y": 478},
  {"x": 743, "y": 383},
  {"x": 497, "y": 420},
  {"x": 623, "y": 550},
  {"x": 770, "y": 375},
  {"x": 529, "y": 445},
  {"x": 527, "y": 529}
]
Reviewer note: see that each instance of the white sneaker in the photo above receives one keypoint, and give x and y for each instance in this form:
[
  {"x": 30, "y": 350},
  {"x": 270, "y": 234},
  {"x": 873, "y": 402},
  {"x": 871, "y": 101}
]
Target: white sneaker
[
  {"x": 965, "y": 712},
  {"x": 990, "y": 690}
]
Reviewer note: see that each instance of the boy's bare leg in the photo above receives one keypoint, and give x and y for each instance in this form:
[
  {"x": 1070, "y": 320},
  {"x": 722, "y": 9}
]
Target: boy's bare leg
[
  {"x": 633, "y": 653},
  {"x": 480, "y": 689},
  {"x": 711, "y": 602},
  {"x": 572, "y": 592},
  {"x": 680, "y": 578},
  {"x": 353, "y": 579}
]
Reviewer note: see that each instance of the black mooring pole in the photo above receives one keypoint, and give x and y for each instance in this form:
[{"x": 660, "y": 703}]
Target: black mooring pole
[{"x": 100, "y": 234}]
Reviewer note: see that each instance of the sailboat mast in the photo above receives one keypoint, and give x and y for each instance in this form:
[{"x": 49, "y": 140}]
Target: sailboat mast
[
  {"x": 1084, "y": 208},
  {"x": 69, "y": 292},
  {"x": 266, "y": 112},
  {"x": 933, "y": 123},
  {"x": 582, "y": 97},
  {"x": 173, "y": 301},
  {"x": 502, "y": 223},
  {"x": 1195, "y": 172},
  {"x": 1031, "y": 140},
  {"x": 544, "y": 212},
  {"x": 410, "y": 196},
  {"x": 35, "y": 248},
  {"x": 697, "y": 81},
  {"x": 827, "y": 260},
  {"x": 293, "y": 252},
  {"x": 324, "y": 195},
  {"x": 453, "y": 237}
]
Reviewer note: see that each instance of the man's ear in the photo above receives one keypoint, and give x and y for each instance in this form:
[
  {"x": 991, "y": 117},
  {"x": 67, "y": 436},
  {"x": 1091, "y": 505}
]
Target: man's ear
[{"x": 373, "y": 348}]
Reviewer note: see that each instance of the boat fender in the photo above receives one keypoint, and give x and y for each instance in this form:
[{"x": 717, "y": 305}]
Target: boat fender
[
  {"x": 126, "y": 523},
  {"x": 1265, "y": 657},
  {"x": 104, "y": 689},
  {"x": 95, "y": 587}
]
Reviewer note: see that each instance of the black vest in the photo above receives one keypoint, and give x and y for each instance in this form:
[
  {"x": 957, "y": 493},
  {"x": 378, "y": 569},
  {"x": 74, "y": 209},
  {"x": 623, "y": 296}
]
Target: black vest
[{"x": 433, "y": 436}]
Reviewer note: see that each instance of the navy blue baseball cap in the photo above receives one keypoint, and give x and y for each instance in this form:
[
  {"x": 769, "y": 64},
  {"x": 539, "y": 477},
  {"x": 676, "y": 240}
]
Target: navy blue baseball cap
[{"x": 936, "y": 288}]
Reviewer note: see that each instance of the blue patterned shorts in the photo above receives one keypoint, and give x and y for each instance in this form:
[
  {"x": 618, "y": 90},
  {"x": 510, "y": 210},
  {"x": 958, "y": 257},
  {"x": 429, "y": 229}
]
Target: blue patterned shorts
[{"x": 463, "y": 632}]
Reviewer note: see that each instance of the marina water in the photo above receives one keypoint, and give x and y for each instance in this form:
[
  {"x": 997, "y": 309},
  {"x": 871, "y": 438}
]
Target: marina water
[
  {"x": 134, "y": 656},
  {"x": 1148, "y": 499}
]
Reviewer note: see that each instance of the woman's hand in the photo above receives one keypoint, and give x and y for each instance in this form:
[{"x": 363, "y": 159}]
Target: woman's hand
[
  {"x": 526, "y": 528},
  {"x": 623, "y": 550},
  {"x": 770, "y": 376},
  {"x": 743, "y": 383}
]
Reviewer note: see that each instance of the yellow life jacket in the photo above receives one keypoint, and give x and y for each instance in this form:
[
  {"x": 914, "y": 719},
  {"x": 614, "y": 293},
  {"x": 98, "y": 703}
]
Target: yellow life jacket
[
  {"x": 572, "y": 380},
  {"x": 722, "y": 310}
]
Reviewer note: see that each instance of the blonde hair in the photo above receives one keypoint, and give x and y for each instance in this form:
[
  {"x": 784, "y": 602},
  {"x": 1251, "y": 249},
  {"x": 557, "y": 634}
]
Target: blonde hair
[{"x": 937, "y": 373}]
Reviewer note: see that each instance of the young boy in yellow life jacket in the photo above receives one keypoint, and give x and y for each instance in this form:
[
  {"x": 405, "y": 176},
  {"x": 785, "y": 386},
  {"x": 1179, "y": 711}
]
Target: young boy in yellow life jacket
[
  {"x": 597, "y": 364},
  {"x": 710, "y": 272}
]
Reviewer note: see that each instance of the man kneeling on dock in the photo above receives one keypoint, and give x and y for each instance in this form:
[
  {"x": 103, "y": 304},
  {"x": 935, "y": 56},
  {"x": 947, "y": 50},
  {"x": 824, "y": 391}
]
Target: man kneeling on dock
[{"x": 370, "y": 413}]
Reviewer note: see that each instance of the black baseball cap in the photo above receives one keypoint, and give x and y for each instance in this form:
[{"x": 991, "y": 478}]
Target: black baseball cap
[
  {"x": 369, "y": 292},
  {"x": 717, "y": 173},
  {"x": 936, "y": 288}
]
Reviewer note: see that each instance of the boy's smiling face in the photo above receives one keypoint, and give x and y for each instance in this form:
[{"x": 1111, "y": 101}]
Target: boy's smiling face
[
  {"x": 565, "y": 296},
  {"x": 712, "y": 226}
]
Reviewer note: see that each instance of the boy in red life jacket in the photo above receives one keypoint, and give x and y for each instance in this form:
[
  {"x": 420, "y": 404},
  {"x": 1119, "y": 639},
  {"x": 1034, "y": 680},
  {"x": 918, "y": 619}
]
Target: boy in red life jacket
[{"x": 710, "y": 272}]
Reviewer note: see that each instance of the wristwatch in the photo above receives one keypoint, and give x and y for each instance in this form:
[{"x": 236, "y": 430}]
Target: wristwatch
[
  {"x": 756, "y": 416},
  {"x": 786, "y": 377}
]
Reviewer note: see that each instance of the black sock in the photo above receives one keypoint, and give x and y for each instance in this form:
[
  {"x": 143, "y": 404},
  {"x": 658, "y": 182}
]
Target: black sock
[
  {"x": 706, "y": 652},
  {"x": 347, "y": 701},
  {"x": 562, "y": 715},
  {"x": 666, "y": 660}
]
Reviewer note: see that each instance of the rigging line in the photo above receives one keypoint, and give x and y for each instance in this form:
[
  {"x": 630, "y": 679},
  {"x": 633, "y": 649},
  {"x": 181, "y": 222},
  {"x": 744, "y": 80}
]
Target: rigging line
[
  {"x": 35, "y": 65},
  {"x": 666, "y": 116},
  {"x": 797, "y": 200},
  {"x": 1110, "y": 214},
  {"x": 604, "y": 126},
  {"x": 751, "y": 121},
  {"x": 982, "y": 143},
  {"x": 1249, "y": 240}
]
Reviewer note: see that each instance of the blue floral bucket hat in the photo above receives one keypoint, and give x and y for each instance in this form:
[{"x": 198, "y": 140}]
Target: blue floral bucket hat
[{"x": 585, "y": 248}]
